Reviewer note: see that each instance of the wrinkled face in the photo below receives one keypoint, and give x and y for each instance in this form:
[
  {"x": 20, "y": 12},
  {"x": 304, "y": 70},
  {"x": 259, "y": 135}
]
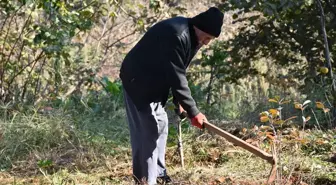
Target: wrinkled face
[{"x": 203, "y": 38}]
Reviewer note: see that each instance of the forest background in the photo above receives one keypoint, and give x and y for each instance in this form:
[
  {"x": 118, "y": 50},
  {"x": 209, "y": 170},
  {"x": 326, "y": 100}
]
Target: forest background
[{"x": 268, "y": 79}]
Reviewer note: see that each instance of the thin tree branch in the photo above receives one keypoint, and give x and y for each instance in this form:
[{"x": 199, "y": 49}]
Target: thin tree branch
[
  {"x": 17, "y": 74},
  {"x": 37, "y": 86},
  {"x": 13, "y": 47},
  {"x": 3, "y": 25},
  {"x": 111, "y": 28},
  {"x": 82, "y": 8},
  {"x": 27, "y": 80},
  {"x": 10, "y": 21},
  {"x": 120, "y": 39},
  {"x": 118, "y": 4}
]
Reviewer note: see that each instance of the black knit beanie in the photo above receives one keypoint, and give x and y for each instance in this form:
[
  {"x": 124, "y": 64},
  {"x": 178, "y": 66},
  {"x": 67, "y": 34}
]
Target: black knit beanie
[{"x": 210, "y": 21}]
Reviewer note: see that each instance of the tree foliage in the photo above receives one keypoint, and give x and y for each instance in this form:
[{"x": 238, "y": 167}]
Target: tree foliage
[
  {"x": 282, "y": 43},
  {"x": 51, "y": 49},
  {"x": 287, "y": 32}
]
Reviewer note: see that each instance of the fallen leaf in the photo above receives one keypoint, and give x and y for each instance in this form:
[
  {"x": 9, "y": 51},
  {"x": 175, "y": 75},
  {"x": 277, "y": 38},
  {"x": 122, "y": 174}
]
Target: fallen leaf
[
  {"x": 265, "y": 127},
  {"x": 293, "y": 117},
  {"x": 308, "y": 118},
  {"x": 325, "y": 110},
  {"x": 221, "y": 179},
  {"x": 319, "y": 105},
  {"x": 279, "y": 122},
  {"x": 270, "y": 136},
  {"x": 285, "y": 102},
  {"x": 303, "y": 141}
]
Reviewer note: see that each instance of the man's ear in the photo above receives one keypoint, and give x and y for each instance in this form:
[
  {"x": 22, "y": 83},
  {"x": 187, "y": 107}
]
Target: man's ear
[{"x": 201, "y": 33}]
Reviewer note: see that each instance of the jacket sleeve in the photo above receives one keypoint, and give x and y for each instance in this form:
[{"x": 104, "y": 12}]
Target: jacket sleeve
[
  {"x": 175, "y": 101},
  {"x": 173, "y": 57}
]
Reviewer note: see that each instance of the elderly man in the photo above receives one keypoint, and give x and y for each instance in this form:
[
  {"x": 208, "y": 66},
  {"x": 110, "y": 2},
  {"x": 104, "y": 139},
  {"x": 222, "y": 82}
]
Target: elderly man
[{"x": 156, "y": 65}]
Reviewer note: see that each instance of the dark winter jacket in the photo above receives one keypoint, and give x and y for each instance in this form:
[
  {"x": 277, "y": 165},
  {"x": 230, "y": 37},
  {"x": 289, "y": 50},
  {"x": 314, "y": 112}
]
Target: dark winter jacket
[{"x": 158, "y": 63}]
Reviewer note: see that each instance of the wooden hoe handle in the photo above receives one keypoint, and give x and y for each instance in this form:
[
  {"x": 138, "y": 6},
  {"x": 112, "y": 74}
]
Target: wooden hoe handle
[{"x": 237, "y": 141}]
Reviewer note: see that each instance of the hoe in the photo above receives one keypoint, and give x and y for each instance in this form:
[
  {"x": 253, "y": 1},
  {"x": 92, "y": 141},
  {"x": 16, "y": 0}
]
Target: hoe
[{"x": 239, "y": 142}]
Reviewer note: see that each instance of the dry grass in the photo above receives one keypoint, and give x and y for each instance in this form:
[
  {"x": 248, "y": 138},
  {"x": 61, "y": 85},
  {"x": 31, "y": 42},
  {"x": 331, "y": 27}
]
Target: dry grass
[
  {"x": 209, "y": 160},
  {"x": 239, "y": 169},
  {"x": 90, "y": 148}
]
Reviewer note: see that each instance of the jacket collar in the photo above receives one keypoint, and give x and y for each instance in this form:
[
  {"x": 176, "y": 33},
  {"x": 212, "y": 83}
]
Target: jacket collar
[{"x": 193, "y": 37}]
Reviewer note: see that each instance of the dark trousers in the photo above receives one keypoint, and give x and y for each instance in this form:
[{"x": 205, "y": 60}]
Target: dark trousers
[{"x": 148, "y": 131}]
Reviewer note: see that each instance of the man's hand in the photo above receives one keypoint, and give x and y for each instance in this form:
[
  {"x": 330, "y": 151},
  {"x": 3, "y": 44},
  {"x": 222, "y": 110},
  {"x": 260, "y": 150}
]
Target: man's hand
[
  {"x": 198, "y": 120},
  {"x": 181, "y": 112}
]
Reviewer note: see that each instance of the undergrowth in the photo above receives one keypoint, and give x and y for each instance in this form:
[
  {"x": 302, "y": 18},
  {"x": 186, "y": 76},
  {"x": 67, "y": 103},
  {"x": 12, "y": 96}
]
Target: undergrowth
[{"x": 86, "y": 141}]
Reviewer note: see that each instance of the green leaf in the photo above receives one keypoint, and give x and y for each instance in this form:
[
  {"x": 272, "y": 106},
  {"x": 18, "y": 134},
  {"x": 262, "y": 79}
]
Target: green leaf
[
  {"x": 113, "y": 14},
  {"x": 185, "y": 125},
  {"x": 309, "y": 2},
  {"x": 298, "y": 11},
  {"x": 44, "y": 163},
  {"x": 87, "y": 12},
  {"x": 170, "y": 107},
  {"x": 279, "y": 122},
  {"x": 235, "y": 16}
]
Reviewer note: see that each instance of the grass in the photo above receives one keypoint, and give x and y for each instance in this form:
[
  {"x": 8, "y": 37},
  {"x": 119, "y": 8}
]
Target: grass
[{"x": 81, "y": 146}]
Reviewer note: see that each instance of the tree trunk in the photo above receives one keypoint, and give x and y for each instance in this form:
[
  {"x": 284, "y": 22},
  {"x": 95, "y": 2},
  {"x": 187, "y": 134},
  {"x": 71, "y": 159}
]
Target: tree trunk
[
  {"x": 327, "y": 54},
  {"x": 212, "y": 78}
]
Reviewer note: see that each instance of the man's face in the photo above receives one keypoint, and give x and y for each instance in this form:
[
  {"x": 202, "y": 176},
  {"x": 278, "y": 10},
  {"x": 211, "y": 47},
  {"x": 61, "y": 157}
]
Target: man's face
[{"x": 203, "y": 38}]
